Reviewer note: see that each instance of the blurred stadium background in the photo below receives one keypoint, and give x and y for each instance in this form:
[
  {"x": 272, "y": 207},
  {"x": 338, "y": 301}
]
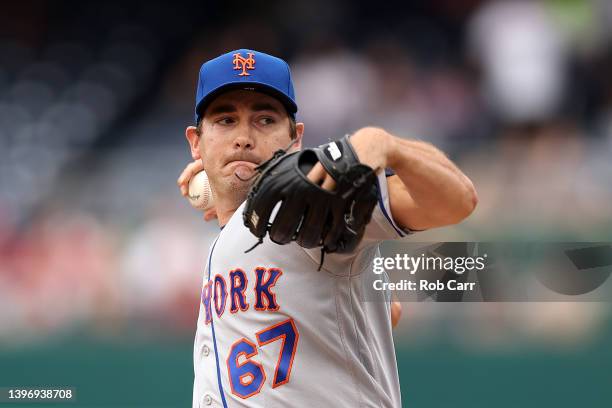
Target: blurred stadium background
[{"x": 101, "y": 259}]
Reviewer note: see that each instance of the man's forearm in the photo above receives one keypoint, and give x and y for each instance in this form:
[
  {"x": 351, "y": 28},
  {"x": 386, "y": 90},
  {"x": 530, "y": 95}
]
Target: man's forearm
[
  {"x": 428, "y": 189},
  {"x": 440, "y": 193}
]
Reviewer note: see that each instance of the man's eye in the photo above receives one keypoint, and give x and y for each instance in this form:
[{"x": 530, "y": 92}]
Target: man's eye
[
  {"x": 266, "y": 121},
  {"x": 225, "y": 121}
]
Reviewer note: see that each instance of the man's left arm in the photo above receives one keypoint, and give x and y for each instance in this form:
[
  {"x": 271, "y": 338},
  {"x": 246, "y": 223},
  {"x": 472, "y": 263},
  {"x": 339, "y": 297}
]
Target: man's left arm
[{"x": 427, "y": 190}]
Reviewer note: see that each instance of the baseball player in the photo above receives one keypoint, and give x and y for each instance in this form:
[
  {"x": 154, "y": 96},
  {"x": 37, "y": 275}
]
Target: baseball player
[{"x": 279, "y": 326}]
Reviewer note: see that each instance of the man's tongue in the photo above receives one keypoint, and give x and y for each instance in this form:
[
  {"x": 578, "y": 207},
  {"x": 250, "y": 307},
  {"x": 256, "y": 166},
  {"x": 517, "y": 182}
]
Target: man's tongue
[{"x": 243, "y": 172}]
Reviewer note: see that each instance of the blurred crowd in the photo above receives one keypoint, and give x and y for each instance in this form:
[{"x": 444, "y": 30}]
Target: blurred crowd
[{"x": 94, "y": 100}]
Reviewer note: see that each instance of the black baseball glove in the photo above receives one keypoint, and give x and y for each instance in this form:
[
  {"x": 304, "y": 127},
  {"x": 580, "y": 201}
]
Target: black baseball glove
[{"x": 308, "y": 214}]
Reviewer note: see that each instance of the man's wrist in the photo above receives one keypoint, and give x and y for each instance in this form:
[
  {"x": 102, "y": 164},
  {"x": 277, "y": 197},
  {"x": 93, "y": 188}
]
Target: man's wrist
[
  {"x": 391, "y": 149},
  {"x": 375, "y": 145}
]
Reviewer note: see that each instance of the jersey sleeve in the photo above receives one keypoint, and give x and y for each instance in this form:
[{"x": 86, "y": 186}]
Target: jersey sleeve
[{"x": 382, "y": 226}]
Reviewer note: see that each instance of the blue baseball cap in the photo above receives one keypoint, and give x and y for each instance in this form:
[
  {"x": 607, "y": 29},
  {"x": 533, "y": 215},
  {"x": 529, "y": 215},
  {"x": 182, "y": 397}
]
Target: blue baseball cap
[{"x": 245, "y": 69}]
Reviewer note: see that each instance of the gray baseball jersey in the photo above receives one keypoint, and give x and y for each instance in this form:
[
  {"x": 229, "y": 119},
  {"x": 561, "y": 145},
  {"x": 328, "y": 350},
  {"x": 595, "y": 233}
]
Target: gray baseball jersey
[{"x": 275, "y": 332}]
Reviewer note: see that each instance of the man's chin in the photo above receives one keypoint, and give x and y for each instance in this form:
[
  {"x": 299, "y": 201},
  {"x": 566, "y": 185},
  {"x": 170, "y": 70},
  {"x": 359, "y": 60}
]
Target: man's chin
[
  {"x": 231, "y": 187},
  {"x": 238, "y": 185}
]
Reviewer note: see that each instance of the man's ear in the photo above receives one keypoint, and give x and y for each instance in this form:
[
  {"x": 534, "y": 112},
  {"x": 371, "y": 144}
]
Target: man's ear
[
  {"x": 191, "y": 133},
  {"x": 299, "y": 131}
]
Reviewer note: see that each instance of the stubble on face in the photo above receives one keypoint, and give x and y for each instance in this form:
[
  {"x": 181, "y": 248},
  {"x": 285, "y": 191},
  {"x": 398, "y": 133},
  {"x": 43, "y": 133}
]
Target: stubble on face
[
  {"x": 233, "y": 185},
  {"x": 231, "y": 170}
]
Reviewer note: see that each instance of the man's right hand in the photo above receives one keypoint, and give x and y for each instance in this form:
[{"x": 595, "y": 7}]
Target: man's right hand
[{"x": 183, "y": 183}]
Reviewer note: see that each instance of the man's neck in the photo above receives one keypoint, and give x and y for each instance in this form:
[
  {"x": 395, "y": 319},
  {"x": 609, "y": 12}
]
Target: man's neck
[
  {"x": 224, "y": 217},
  {"x": 225, "y": 211}
]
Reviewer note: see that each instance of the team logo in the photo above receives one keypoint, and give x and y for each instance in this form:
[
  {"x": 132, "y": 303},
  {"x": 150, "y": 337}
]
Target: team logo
[{"x": 241, "y": 63}]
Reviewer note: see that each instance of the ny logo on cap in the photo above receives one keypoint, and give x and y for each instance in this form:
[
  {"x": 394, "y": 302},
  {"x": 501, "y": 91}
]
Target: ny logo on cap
[{"x": 243, "y": 63}]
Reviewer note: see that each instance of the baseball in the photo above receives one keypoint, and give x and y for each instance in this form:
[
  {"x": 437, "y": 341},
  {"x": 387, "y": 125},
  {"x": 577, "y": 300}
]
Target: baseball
[{"x": 200, "y": 195}]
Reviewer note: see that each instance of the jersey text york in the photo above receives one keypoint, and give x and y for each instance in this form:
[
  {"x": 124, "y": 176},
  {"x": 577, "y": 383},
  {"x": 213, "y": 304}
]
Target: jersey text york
[{"x": 219, "y": 293}]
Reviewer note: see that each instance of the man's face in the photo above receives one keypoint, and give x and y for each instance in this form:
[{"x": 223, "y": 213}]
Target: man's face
[{"x": 241, "y": 129}]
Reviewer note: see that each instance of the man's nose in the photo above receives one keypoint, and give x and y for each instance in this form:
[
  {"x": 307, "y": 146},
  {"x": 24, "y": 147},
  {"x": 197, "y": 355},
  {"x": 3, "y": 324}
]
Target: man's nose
[{"x": 244, "y": 139}]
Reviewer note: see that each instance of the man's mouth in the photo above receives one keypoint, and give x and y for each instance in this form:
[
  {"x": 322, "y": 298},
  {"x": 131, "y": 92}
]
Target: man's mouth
[
  {"x": 242, "y": 163},
  {"x": 243, "y": 170}
]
